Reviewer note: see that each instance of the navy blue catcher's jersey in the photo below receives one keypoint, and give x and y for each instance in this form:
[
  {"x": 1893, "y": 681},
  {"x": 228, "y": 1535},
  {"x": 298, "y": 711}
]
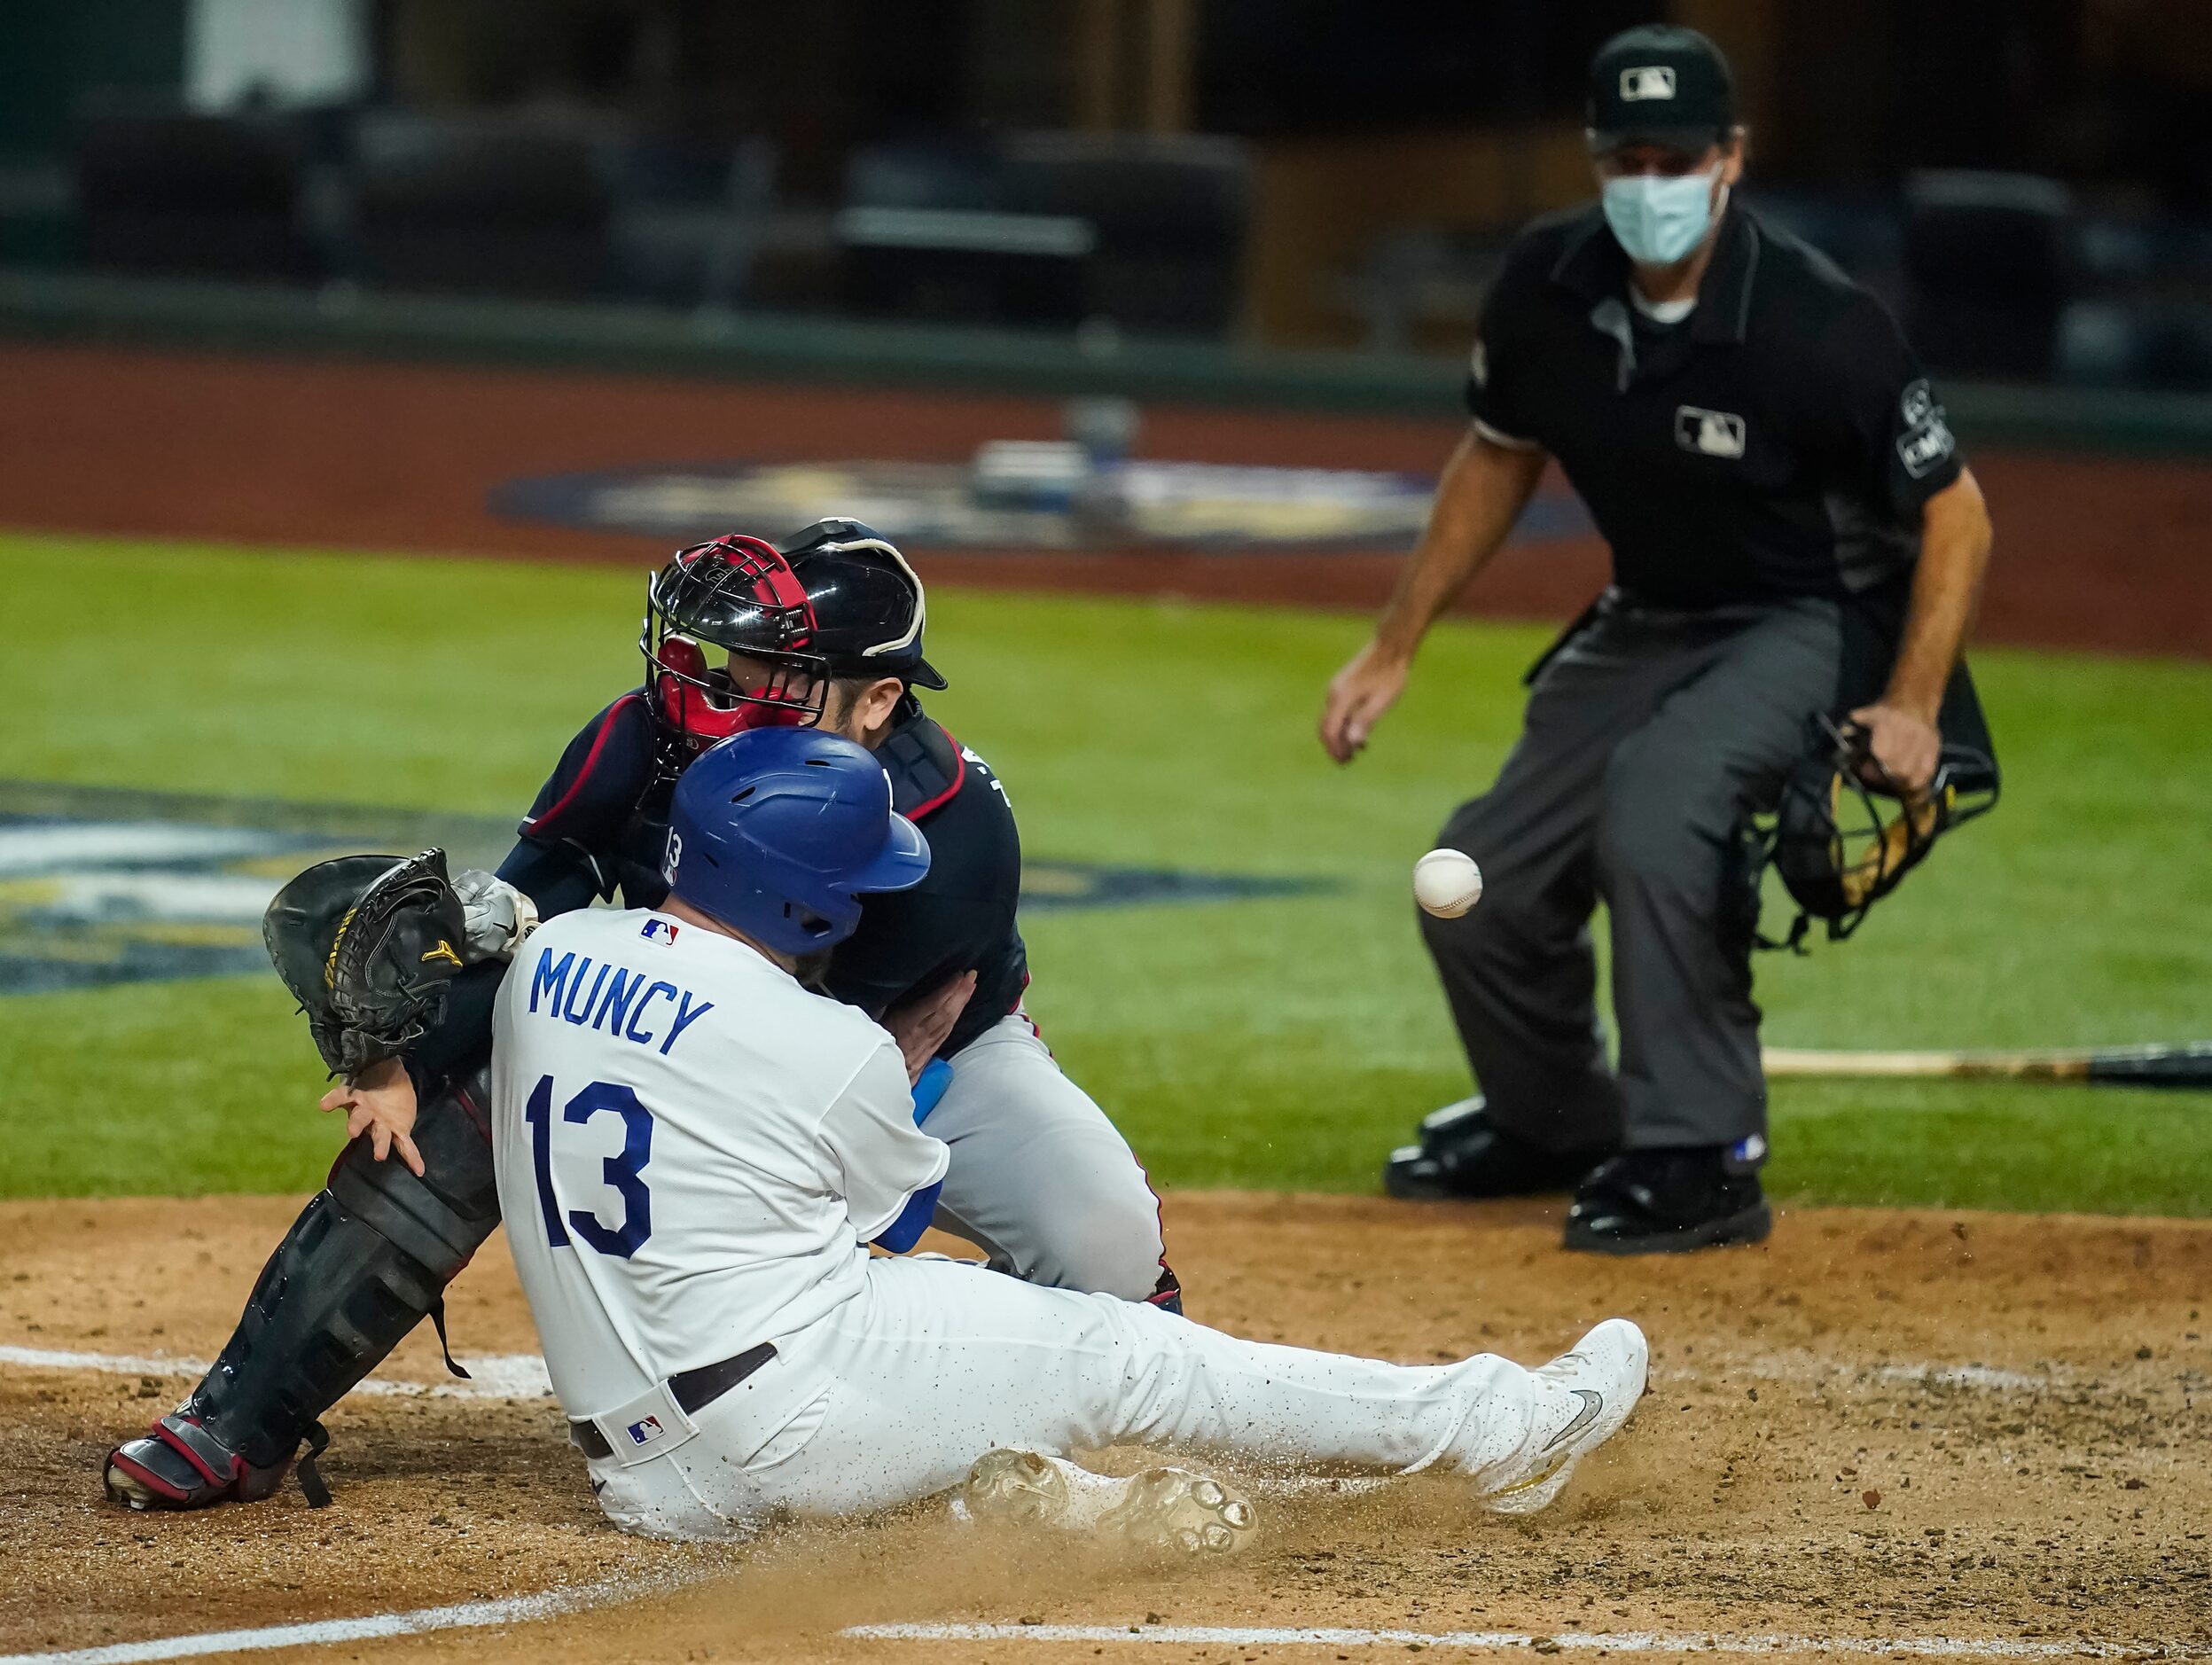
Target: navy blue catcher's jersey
[{"x": 600, "y": 825}]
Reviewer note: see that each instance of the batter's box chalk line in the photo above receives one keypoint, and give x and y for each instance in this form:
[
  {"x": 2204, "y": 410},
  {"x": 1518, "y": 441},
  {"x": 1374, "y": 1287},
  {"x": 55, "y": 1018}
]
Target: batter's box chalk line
[
  {"x": 493, "y": 1376},
  {"x": 1564, "y": 1641},
  {"x": 522, "y": 1375}
]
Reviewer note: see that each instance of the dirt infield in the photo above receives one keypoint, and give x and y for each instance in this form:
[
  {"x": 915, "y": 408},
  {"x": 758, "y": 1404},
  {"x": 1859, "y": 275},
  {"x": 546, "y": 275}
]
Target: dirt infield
[
  {"x": 2093, "y": 553},
  {"x": 1882, "y": 1425}
]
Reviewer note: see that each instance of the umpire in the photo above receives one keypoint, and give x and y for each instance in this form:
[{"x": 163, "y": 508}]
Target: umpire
[{"x": 1793, "y": 533}]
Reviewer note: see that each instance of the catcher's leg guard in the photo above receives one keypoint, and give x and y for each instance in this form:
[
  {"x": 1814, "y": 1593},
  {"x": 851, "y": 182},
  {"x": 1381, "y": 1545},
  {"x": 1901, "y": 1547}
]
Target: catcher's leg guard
[{"x": 366, "y": 1261}]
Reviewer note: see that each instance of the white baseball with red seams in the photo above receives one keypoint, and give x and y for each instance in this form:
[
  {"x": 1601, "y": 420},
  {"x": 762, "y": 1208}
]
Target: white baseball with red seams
[{"x": 1447, "y": 883}]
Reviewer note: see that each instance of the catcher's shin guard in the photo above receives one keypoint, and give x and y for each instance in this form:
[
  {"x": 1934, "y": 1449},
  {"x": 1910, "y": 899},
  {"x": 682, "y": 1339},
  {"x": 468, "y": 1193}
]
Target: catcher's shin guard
[{"x": 366, "y": 1261}]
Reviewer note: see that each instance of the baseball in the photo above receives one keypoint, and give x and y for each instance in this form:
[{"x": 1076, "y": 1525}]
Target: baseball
[{"x": 1447, "y": 883}]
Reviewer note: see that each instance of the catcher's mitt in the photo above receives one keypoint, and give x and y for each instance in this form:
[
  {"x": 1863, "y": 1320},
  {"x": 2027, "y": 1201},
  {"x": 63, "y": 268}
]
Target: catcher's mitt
[{"x": 367, "y": 945}]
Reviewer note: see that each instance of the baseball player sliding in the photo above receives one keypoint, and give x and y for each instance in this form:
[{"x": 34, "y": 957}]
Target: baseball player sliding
[
  {"x": 825, "y": 632},
  {"x": 694, "y": 1150}
]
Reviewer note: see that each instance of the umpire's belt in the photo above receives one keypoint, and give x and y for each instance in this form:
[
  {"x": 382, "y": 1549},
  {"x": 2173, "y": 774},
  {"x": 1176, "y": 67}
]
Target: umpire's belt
[{"x": 660, "y": 1420}]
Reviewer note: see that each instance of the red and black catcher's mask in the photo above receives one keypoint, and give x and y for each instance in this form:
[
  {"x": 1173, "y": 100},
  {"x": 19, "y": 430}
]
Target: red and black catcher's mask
[{"x": 735, "y": 596}]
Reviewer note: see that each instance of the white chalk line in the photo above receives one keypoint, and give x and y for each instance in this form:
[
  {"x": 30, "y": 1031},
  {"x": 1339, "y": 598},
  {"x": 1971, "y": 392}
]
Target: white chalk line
[
  {"x": 494, "y": 1376},
  {"x": 549, "y": 1604},
  {"x": 1803, "y": 1367},
  {"x": 1575, "y": 1641},
  {"x": 522, "y": 1375}
]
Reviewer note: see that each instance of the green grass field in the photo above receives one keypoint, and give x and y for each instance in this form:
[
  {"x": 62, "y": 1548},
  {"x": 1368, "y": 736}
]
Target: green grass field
[{"x": 1275, "y": 1042}]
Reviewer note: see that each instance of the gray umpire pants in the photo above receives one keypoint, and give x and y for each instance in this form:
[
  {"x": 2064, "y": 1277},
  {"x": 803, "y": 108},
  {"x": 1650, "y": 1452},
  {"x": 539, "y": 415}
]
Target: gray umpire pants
[{"x": 1646, "y": 738}]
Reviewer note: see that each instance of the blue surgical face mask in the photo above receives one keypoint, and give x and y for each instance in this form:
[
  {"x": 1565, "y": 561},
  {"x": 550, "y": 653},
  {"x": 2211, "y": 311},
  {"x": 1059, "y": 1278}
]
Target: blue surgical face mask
[{"x": 1660, "y": 218}]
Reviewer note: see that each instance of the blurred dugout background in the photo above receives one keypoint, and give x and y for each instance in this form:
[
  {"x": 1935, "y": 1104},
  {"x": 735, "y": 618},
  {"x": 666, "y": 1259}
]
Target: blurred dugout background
[{"x": 2028, "y": 182}]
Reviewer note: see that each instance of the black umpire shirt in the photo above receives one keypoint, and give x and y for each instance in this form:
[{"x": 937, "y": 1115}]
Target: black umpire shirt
[{"x": 1780, "y": 440}]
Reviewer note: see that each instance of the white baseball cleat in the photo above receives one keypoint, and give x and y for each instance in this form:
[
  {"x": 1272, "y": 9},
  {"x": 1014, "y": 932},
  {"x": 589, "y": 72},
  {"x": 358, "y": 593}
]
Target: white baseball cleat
[
  {"x": 1172, "y": 1510},
  {"x": 1161, "y": 1511},
  {"x": 1582, "y": 1398},
  {"x": 1015, "y": 1487}
]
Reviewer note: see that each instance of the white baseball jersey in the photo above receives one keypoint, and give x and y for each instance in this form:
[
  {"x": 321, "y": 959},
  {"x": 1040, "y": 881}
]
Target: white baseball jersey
[{"x": 692, "y": 1150}]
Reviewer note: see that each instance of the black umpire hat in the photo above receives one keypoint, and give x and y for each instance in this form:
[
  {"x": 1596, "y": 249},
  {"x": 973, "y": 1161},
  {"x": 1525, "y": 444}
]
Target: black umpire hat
[{"x": 1659, "y": 85}]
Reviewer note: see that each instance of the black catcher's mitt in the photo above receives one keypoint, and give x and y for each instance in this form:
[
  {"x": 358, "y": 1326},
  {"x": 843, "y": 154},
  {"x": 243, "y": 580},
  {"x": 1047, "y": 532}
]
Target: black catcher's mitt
[{"x": 367, "y": 945}]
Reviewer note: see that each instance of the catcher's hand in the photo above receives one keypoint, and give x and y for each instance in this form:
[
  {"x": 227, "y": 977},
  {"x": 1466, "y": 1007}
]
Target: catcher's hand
[
  {"x": 367, "y": 945},
  {"x": 922, "y": 1024},
  {"x": 498, "y": 916},
  {"x": 380, "y": 1102}
]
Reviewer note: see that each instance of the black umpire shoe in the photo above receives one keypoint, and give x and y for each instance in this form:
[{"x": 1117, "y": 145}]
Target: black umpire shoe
[
  {"x": 1463, "y": 1154},
  {"x": 1665, "y": 1202}
]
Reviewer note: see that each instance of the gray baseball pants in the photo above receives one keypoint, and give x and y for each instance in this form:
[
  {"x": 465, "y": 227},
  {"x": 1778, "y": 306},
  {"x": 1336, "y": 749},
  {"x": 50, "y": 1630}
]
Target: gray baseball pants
[
  {"x": 1646, "y": 738},
  {"x": 1040, "y": 1179}
]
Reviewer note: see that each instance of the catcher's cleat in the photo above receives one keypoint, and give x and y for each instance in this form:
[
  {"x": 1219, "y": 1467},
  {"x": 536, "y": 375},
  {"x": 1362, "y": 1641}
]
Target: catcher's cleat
[
  {"x": 1582, "y": 1398},
  {"x": 1163, "y": 1511},
  {"x": 1463, "y": 1154},
  {"x": 1666, "y": 1202},
  {"x": 179, "y": 1465}
]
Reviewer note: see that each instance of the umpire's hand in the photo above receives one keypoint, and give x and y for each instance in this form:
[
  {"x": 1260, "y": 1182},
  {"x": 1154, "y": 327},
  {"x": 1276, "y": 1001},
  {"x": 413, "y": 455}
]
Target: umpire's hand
[
  {"x": 1904, "y": 743},
  {"x": 1359, "y": 695}
]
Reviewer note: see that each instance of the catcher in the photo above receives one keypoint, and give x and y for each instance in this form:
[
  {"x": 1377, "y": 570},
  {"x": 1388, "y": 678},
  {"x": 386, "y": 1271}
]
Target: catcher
[{"x": 398, "y": 969}]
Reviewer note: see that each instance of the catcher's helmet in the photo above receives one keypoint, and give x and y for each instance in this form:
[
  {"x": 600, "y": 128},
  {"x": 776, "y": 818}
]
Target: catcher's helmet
[
  {"x": 837, "y": 600},
  {"x": 869, "y": 607},
  {"x": 777, "y": 832},
  {"x": 1838, "y": 849}
]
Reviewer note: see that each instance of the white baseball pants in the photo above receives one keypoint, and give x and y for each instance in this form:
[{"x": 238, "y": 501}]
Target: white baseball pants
[{"x": 893, "y": 1396}]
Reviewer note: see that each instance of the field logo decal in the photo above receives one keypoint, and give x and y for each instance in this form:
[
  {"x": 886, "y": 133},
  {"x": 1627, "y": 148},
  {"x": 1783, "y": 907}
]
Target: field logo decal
[
  {"x": 1022, "y": 497},
  {"x": 101, "y": 887}
]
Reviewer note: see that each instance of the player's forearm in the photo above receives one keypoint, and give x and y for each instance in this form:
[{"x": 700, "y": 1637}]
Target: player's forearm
[
  {"x": 1955, "y": 538},
  {"x": 1483, "y": 491},
  {"x": 461, "y": 1039},
  {"x": 556, "y": 877}
]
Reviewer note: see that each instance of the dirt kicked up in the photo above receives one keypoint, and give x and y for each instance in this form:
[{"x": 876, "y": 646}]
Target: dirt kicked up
[{"x": 1986, "y": 1430}]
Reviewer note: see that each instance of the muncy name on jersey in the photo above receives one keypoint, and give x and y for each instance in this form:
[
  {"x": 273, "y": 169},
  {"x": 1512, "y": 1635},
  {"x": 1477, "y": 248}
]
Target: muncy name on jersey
[{"x": 612, "y": 998}]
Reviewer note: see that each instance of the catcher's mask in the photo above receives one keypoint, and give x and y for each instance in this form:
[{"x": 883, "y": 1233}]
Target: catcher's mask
[
  {"x": 737, "y": 594},
  {"x": 1845, "y": 833}
]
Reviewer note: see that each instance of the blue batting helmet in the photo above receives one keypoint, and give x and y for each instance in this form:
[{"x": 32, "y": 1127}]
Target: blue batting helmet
[{"x": 778, "y": 833}]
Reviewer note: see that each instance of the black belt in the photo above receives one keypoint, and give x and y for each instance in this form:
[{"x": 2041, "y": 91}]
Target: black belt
[{"x": 692, "y": 1389}]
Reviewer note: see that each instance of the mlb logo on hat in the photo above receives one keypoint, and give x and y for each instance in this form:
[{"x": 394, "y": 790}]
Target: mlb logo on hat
[
  {"x": 644, "y": 1433},
  {"x": 662, "y": 931},
  {"x": 1650, "y": 80}
]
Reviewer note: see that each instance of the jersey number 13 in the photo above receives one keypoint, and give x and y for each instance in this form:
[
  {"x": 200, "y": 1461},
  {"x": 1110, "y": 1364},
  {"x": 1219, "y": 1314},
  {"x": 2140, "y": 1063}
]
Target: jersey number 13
[{"x": 622, "y": 1172}]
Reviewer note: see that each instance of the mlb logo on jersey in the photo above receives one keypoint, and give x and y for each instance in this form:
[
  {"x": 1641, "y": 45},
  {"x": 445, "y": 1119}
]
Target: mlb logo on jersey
[
  {"x": 662, "y": 931},
  {"x": 645, "y": 1432},
  {"x": 1709, "y": 433}
]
